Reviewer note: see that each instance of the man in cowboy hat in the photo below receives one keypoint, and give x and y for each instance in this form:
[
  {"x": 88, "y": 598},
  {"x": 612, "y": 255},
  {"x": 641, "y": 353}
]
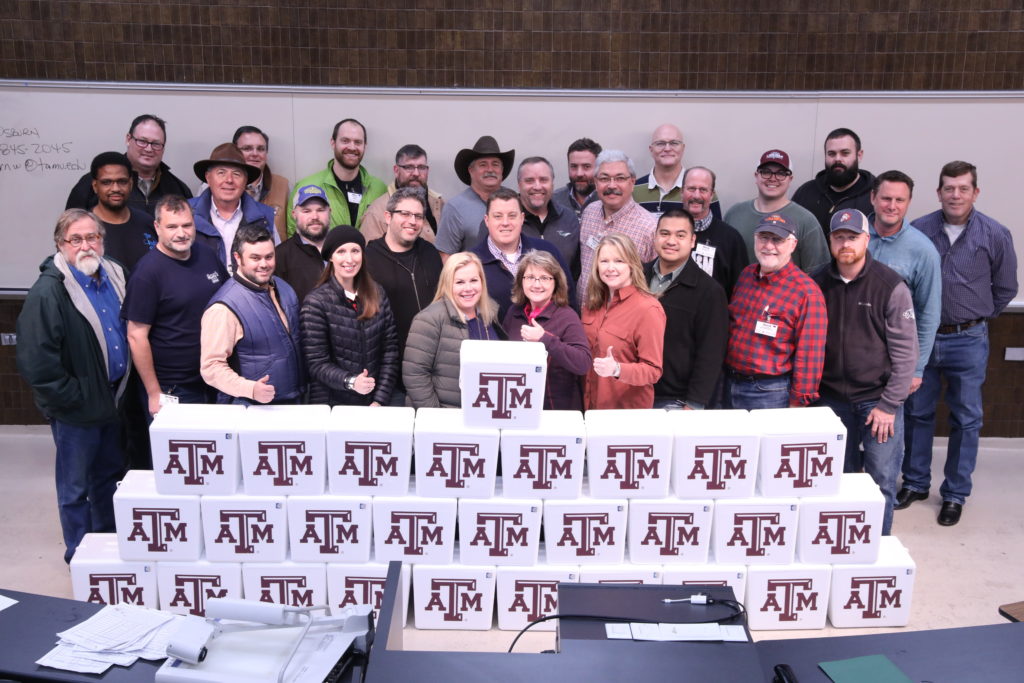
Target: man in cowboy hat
[
  {"x": 482, "y": 168},
  {"x": 224, "y": 205}
]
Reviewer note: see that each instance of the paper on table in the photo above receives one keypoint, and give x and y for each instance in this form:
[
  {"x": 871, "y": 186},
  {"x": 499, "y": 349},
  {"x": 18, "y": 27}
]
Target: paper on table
[
  {"x": 117, "y": 627},
  {"x": 64, "y": 657},
  {"x": 6, "y": 602}
]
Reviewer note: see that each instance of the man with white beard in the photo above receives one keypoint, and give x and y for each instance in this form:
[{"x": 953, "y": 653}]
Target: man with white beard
[{"x": 73, "y": 351}]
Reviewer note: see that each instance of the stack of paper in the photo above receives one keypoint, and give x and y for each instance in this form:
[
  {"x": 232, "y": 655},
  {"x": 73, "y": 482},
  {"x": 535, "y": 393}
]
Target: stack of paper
[{"x": 118, "y": 634}]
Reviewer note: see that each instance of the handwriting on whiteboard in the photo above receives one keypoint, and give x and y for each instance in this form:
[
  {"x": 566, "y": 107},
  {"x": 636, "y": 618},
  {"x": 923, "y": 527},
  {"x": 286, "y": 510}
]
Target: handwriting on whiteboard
[{"x": 20, "y": 153}]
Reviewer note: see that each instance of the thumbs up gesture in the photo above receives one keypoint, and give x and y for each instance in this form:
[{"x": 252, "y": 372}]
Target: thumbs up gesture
[
  {"x": 606, "y": 366},
  {"x": 532, "y": 332},
  {"x": 363, "y": 383},
  {"x": 263, "y": 391}
]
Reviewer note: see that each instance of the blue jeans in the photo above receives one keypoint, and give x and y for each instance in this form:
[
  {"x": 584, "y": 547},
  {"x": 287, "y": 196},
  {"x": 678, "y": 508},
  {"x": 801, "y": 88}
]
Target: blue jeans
[
  {"x": 89, "y": 464},
  {"x": 745, "y": 394},
  {"x": 880, "y": 460},
  {"x": 962, "y": 358}
]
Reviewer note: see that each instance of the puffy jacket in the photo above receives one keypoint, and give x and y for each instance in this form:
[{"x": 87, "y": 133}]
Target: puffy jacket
[
  {"x": 207, "y": 233},
  {"x": 569, "y": 357},
  {"x": 337, "y": 346}
]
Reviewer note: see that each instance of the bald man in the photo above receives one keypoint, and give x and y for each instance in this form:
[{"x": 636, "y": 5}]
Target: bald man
[{"x": 662, "y": 189}]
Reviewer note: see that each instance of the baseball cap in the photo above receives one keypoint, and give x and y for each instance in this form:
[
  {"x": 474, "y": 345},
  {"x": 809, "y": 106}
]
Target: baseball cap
[
  {"x": 777, "y": 225},
  {"x": 775, "y": 156},
  {"x": 307, "y": 192},
  {"x": 849, "y": 219}
]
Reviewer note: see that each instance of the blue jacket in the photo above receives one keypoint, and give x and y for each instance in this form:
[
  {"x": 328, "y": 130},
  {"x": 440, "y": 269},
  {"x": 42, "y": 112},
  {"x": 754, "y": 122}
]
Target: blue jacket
[
  {"x": 252, "y": 212},
  {"x": 500, "y": 281}
]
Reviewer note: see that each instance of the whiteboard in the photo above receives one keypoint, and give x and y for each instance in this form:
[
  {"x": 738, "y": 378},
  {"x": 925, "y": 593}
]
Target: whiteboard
[{"x": 50, "y": 131}]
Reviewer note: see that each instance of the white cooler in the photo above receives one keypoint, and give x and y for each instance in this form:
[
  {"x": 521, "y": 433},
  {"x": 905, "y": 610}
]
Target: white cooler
[
  {"x": 802, "y": 451},
  {"x": 195, "y": 448},
  {"x": 525, "y": 594},
  {"x": 625, "y": 573},
  {"x": 454, "y": 460},
  {"x": 245, "y": 528},
  {"x": 499, "y": 531},
  {"x": 285, "y": 583},
  {"x": 284, "y": 449},
  {"x": 629, "y": 453},
  {"x": 502, "y": 383},
  {"x": 369, "y": 450},
  {"x": 151, "y": 526},
  {"x": 669, "y": 530},
  {"x": 186, "y": 586},
  {"x": 585, "y": 531},
  {"x": 787, "y": 597},
  {"x": 330, "y": 528},
  {"x": 99, "y": 575},
  {"x": 715, "y": 453},
  {"x": 874, "y": 594},
  {"x": 414, "y": 529},
  {"x": 844, "y": 528},
  {"x": 453, "y": 596},
  {"x": 363, "y": 584},
  {"x": 713, "y": 574},
  {"x": 547, "y": 461},
  {"x": 755, "y": 531}
]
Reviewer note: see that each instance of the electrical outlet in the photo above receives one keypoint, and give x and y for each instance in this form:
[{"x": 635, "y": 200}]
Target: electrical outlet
[{"x": 8, "y": 339}]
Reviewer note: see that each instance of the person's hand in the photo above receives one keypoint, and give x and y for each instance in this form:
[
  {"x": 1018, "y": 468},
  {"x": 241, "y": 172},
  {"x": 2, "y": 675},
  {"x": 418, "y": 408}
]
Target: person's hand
[
  {"x": 375, "y": 405},
  {"x": 154, "y": 403},
  {"x": 263, "y": 391},
  {"x": 532, "y": 332},
  {"x": 915, "y": 384},
  {"x": 606, "y": 366},
  {"x": 363, "y": 383},
  {"x": 883, "y": 425}
]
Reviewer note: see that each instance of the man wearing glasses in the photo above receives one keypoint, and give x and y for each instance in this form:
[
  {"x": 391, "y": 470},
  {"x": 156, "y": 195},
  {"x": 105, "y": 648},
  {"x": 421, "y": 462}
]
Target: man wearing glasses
[
  {"x": 73, "y": 351},
  {"x": 773, "y": 176},
  {"x": 151, "y": 177},
  {"x": 411, "y": 170},
  {"x": 661, "y": 189}
]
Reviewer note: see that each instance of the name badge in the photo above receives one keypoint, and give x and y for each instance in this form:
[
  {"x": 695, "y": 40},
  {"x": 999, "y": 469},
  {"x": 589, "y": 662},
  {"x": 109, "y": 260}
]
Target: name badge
[
  {"x": 354, "y": 198},
  {"x": 706, "y": 250},
  {"x": 593, "y": 241},
  {"x": 766, "y": 329},
  {"x": 168, "y": 400}
]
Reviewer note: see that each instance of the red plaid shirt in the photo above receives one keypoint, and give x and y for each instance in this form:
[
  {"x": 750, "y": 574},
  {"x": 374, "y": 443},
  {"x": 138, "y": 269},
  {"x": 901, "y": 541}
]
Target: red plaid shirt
[{"x": 789, "y": 299}]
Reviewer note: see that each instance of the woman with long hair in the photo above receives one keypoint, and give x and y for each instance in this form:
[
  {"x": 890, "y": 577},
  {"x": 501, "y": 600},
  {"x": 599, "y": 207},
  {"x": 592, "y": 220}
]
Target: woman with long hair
[
  {"x": 461, "y": 310},
  {"x": 625, "y": 326},
  {"x": 540, "y": 313},
  {"x": 348, "y": 332}
]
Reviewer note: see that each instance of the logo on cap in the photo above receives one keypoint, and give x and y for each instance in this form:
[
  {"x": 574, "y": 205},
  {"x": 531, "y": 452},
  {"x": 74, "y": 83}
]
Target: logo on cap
[{"x": 307, "y": 192}]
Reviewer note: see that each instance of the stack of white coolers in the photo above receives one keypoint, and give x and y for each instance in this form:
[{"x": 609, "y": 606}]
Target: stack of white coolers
[{"x": 306, "y": 505}]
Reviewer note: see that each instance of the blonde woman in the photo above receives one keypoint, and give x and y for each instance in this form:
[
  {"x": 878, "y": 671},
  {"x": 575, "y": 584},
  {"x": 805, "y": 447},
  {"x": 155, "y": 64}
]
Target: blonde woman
[
  {"x": 625, "y": 326},
  {"x": 461, "y": 310}
]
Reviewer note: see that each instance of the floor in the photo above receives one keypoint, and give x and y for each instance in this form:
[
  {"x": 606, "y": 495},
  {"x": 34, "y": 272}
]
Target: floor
[{"x": 963, "y": 572}]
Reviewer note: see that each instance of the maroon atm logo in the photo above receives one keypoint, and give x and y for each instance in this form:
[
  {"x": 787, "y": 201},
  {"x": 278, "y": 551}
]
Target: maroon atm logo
[
  {"x": 244, "y": 529},
  {"x": 757, "y": 531},
  {"x": 872, "y": 594},
  {"x": 157, "y": 527},
  {"x": 114, "y": 589},
  {"x": 194, "y": 460},
  {"x": 499, "y": 530},
  {"x": 669, "y": 530},
  {"x": 789, "y": 597},
  {"x": 414, "y": 530},
  {"x": 283, "y": 461},
  {"x": 630, "y": 464},
  {"x": 330, "y": 529},
  {"x": 841, "y": 529},
  {"x": 543, "y": 465},
  {"x": 455, "y": 463},
  {"x": 369, "y": 460},
  {"x": 193, "y": 590},
  {"x": 803, "y": 462},
  {"x": 717, "y": 465},
  {"x": 286, "y": 590},
  {"x": 362, "y": 590},
  {"x": 454, "y": 597},
  {"x": 503, "y": 392},
  {"x": 535, "y": 597},
  {"x": 585, "y": 531}
]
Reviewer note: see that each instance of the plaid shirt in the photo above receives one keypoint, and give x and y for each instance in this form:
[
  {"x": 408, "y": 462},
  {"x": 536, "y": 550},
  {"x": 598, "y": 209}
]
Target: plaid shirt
[
  {"x": 631, "y": 220},
  {"x": 789, "y": 299}
]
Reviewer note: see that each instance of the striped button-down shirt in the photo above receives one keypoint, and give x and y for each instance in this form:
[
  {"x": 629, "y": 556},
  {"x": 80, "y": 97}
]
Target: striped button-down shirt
[{"x": 631, "y": 220}]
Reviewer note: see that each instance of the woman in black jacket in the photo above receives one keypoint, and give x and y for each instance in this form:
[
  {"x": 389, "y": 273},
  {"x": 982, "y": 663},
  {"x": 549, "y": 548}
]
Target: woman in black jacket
[{"x": 348, "y": 332}]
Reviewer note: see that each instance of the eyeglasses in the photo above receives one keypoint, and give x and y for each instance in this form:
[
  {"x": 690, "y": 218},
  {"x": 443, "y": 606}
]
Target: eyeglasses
[
  {"x": 92, "y": 239},
  {"x": 618, "y": 179},
  {"x": 143, "y": 143},
  {"x": 409, "y": 168},
  {"x": 768, "y": 174},
  {"x": 662, "y": 144},
  {"x": 249, "y": 149},
  {"x": 542, "y": 279},
  {"x": 408, "y": 214}
]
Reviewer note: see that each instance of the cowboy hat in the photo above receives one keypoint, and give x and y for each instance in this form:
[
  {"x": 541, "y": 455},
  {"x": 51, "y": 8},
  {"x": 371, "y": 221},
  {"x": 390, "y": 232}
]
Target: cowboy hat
[
  {"x": 484, "y": 147},
  {"x": 226, "y": 154}
]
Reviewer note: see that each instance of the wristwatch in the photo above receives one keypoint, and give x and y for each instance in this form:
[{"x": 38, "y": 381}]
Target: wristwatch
[{"x": 350, "y": 382}]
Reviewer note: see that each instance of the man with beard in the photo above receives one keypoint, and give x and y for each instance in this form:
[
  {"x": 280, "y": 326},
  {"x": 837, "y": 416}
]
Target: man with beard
[
  {"x": 299, "y": 262},
  {"x": 73, "y": 351},
  {"x": 164, "y": 304},
  {"x": 250, "y": 331},
  {"x": 720, "y": 251},
  {"x": 615, "y": 212},
  {"x": 411, "y": 170},
  {"x": 579, "y": 191},
  {"x": 407, "y": 266},
  {"x": 842, "y": 185},
  {"x": 870, "y": 353},
  {"x": 543, "y": 218},
  {"x": 661, "y": 189},
  {"x": 128, "y": 233},
  {"x": 349, "y": 186}
]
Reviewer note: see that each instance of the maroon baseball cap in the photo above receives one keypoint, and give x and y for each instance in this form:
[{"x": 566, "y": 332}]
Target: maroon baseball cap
[{"x": 775, "y": 156}]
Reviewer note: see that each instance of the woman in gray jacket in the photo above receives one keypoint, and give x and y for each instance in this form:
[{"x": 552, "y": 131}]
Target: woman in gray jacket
[{"x": 461, "y": 310}]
